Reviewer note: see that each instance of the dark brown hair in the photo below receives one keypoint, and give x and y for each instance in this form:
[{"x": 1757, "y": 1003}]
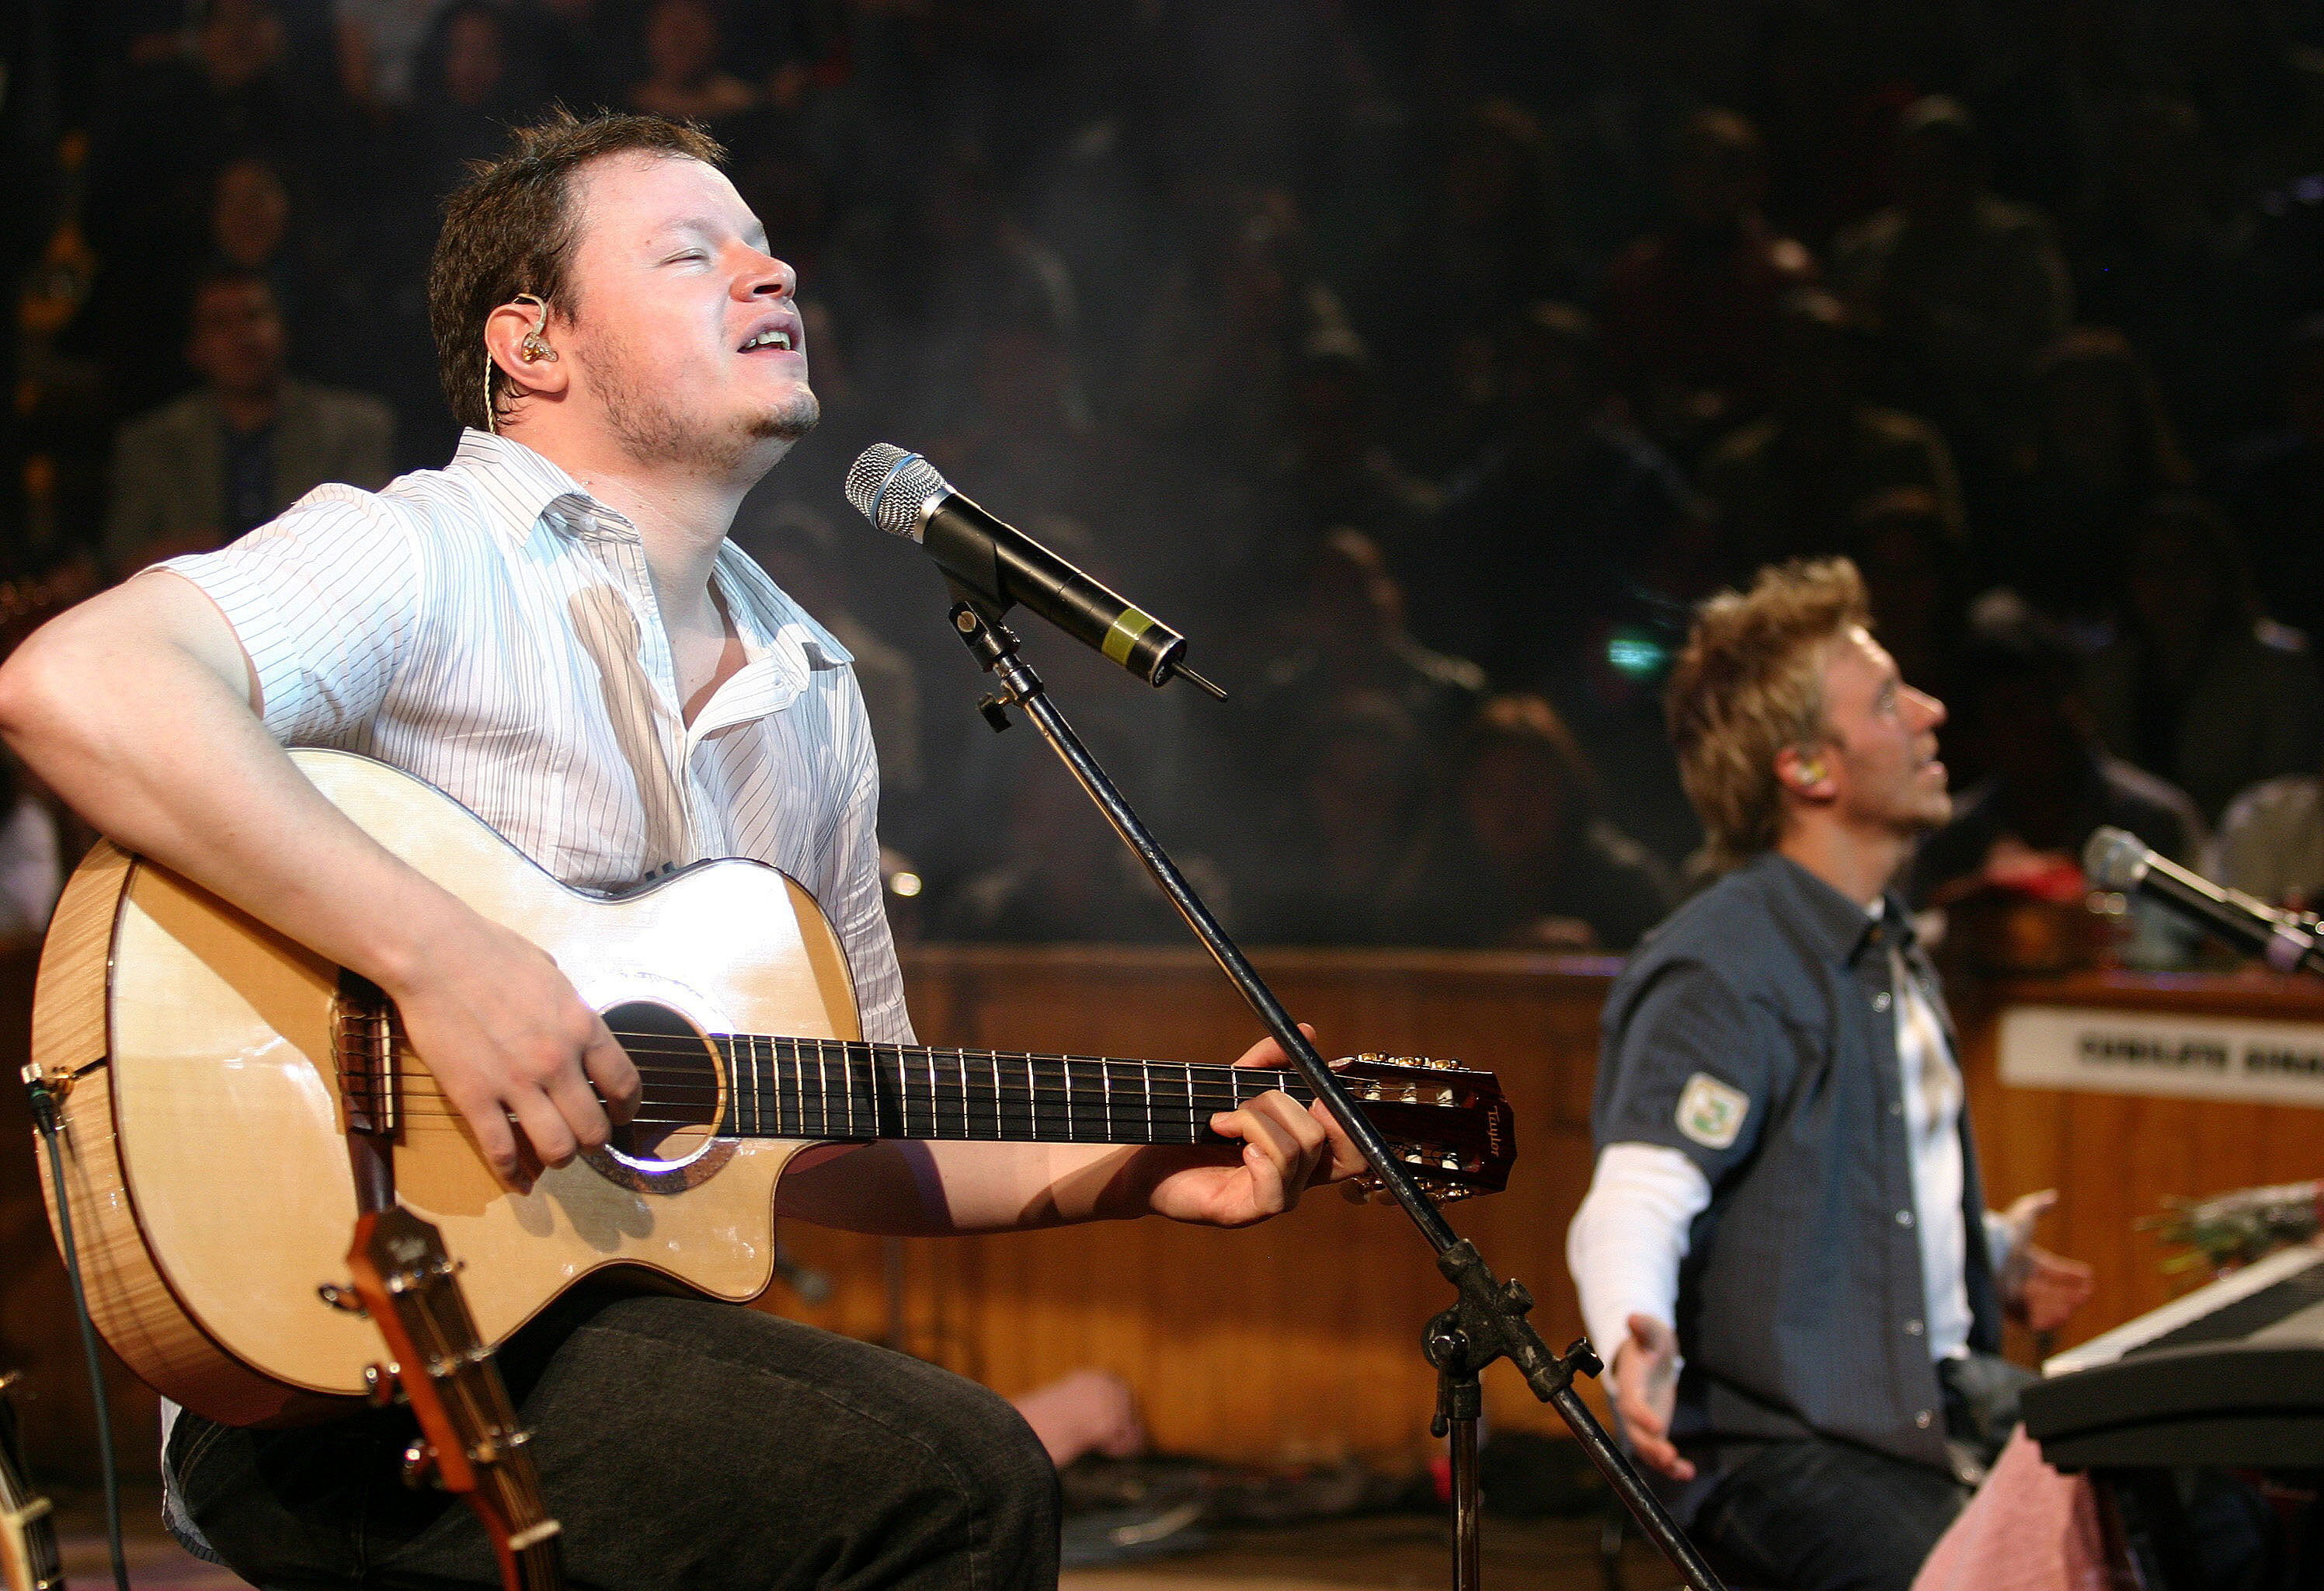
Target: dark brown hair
[{"x": 512, "y": 228}]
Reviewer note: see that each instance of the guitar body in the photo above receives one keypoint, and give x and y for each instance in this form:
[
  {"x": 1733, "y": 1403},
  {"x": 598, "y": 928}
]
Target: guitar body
[{"x": 206, "y": 1121}]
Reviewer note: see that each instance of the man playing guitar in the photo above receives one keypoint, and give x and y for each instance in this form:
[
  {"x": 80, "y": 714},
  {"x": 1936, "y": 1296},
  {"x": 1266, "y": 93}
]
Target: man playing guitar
[{"x": 554, "y": 630}]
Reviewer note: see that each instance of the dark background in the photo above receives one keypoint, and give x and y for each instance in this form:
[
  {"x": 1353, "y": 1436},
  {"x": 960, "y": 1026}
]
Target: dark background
[{"x": 1400, "y": 354}]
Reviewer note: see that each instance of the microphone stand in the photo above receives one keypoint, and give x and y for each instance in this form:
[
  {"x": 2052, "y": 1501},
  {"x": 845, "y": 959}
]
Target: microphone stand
[{"x": 1488, "y": 1320}]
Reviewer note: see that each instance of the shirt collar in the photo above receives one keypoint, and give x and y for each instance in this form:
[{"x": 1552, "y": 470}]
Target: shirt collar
[
  {"x": 1844, "y": 928},
  {"x": 519, "y": 485}
]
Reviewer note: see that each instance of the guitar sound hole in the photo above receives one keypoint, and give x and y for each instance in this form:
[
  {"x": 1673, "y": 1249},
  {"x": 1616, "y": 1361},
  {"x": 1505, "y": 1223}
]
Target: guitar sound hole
[{"x": 681, "y": 1080}]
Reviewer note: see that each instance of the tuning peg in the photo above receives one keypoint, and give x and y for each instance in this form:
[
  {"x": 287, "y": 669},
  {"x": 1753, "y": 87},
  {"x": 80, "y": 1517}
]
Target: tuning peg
[
  {"x": 342, "y": 1298},
  {"x": 382, "y": 1385},
  {"x": 419, "y": 1465}
]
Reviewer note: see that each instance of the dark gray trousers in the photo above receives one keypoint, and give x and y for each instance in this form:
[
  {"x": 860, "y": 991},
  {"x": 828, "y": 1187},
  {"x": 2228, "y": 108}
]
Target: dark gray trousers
[{"x": 682, "y": 1443}]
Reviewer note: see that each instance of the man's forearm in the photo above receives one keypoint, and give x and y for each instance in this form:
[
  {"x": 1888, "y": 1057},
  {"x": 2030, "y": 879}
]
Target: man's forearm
[
  {"x": 940, "y": 1189},
  {"x": 1628, "y": 1237}
]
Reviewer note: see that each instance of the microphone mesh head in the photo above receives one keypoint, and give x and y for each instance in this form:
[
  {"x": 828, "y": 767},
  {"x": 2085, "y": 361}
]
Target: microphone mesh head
[
  {"x": 888, "y": 486},
  {"x": 2115, "y": 860}
]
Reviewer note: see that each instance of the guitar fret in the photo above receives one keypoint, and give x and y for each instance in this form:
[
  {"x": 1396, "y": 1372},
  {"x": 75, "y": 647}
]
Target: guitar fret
[
  {"x": 1106, "y": 1071},
  {"x": 1032, "y": 1103},
  {"x": 999, "y": 1128}
]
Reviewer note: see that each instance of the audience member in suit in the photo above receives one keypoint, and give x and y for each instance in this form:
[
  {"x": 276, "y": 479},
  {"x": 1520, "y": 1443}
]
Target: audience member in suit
[{"x": 244, "y": 445}]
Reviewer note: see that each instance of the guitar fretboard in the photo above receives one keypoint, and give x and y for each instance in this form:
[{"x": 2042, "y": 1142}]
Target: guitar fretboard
[{"x": 832, "y": 1088}]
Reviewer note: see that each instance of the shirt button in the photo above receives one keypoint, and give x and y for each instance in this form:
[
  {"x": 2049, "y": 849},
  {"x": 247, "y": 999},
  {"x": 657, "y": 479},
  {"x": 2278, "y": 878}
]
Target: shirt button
[
  {"x": 1922, "y": 1420},
  {"x": 1880, "y": 1001},
  {"x": 1912, "y": 1329},
  {"x": 1895, "y": 1107},
  {"x": 1903, "y": 1217}
]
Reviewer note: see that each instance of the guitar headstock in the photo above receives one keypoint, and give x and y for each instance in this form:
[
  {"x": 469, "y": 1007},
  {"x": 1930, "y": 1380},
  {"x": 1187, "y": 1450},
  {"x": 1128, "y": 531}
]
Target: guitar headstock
[
  {"x": 470, "y": 1440},
  {"x": 29, "y": 1558},
  {"x": 1449, "y": 1126}
]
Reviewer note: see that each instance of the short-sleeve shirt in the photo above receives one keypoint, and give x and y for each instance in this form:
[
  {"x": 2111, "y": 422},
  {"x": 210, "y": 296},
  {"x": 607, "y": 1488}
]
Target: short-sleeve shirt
[
  {"x": 492, "y": 629},
  {"x": 1754, "y": 1033}
]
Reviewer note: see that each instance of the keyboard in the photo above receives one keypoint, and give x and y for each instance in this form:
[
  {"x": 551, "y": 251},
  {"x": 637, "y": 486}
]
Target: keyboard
[{"x": 2233, "y": 1375}]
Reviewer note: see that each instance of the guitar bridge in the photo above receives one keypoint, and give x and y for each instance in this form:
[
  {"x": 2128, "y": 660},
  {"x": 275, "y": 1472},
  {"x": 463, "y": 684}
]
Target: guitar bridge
[{"x": 365, "y": 1034}]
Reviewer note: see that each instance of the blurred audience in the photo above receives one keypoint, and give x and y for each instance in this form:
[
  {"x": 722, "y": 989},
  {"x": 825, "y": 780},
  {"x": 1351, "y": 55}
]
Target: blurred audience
[
  {"x": 1966, "y": 288},
  {"x": 1349, "y": 846},
  {"x": 2099, "y": 449},
  {"x": 2196, "y": 684},
  {"x": 1789, "y": 486},
  {"x": 1067, "y": 876},
  {"x": 1538, "y": 865},
  {"x": 1283, "y": 317},
  {"x": 1691, "y": 311},
  {"x": 2271, "y": 843},
  {"x": 2045, "y": 783},
  {"x": 244, "y": 445},
  {"x": 1566, "y": 511},
  {"x": 1345, "y": 636},
  {"x": 1338, "y": 466},
  {"x": 687, "y": 82},
  {"x": 2272, "y": 486}
]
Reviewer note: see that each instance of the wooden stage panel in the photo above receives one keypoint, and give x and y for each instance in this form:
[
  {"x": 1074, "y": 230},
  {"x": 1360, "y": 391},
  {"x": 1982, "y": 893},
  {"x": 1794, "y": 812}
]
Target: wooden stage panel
[{"x": 1298, "y": 1338}]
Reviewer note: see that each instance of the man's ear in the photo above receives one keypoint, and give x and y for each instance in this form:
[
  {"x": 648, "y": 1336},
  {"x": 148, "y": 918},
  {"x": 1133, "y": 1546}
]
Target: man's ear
[
  {"x": 1804, "y": 771},
  {"x": 505, "y": 331}
]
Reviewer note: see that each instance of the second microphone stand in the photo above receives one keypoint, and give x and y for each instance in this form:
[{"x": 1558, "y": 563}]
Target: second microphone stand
[{"x": 1488, "y": 1320}]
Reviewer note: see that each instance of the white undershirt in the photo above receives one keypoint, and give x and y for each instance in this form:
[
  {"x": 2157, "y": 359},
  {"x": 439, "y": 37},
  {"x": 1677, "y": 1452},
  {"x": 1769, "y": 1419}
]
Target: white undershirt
[{"x": 1634, "y": 1227}]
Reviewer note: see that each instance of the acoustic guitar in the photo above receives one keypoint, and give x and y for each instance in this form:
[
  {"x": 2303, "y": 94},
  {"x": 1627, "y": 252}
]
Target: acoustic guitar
[
  {"x": 216, "y": 1075},
  {"x": 29, "y": 1558}
]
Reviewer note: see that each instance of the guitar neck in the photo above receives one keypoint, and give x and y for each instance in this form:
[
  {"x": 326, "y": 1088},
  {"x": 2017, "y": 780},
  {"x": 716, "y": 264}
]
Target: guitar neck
[{"x": 832, "y": 1088}]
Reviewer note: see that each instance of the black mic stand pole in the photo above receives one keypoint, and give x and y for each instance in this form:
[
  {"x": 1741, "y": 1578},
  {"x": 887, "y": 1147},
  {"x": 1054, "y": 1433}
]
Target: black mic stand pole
[{"x": 1488, "y": 1321}]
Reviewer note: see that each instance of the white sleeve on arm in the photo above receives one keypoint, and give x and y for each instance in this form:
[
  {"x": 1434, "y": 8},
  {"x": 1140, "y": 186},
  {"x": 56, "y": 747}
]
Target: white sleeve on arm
[{"x": 1627, "y": 1240}]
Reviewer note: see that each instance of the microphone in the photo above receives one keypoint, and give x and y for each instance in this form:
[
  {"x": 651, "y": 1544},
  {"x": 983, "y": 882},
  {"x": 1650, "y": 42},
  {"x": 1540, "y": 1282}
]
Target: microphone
[
  {"x": 2122, "y": 862},
  {"x": 1001, "y": 566}
]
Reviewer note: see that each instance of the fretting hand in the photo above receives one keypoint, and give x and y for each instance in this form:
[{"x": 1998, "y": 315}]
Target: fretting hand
[{"x": 1288, "y": 1148}]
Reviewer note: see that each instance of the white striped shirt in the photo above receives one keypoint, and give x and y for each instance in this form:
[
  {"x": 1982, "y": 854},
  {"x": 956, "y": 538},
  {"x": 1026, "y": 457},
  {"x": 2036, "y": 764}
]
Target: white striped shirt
[{"x": 492, "y": 629}]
